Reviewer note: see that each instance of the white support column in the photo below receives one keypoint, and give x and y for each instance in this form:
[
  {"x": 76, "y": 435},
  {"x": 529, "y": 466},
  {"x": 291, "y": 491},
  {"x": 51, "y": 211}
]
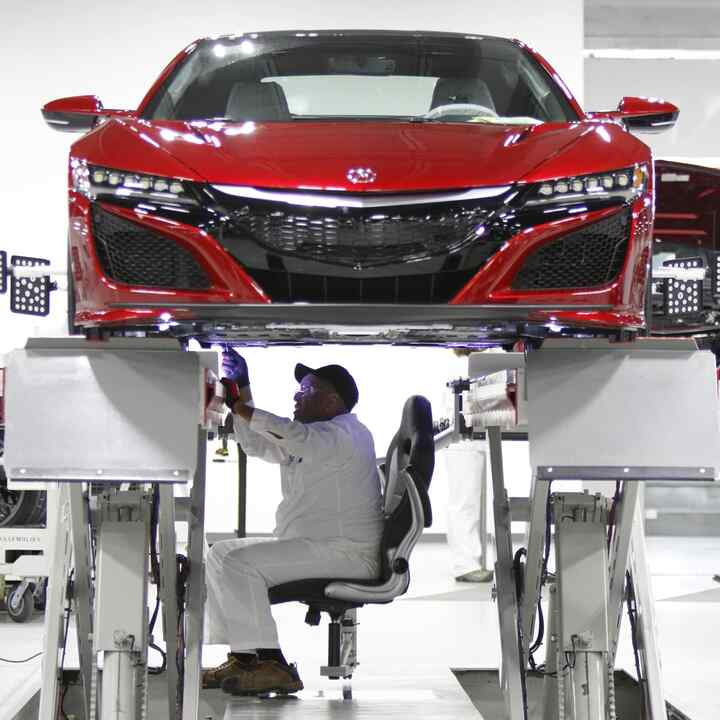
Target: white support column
[
  {"x": 58, "y": 523},
  {"x": 550, "y": 681},
  {"x": 588, "y": 686},
  {"x": 512, "y": 670},
  {"x": 195, "y": 604},
  {"x": 119, "y": 699},
  {"x": 581, "y": 562},
  {"x": 83, "y": 588},
  {"x": 535, "y": 544},
  {"x": 168, "y": 596},
  {"x": 647, "y": 630},
  {"x": 121, "y": 614},
  {"x": 619, "y": 558}
]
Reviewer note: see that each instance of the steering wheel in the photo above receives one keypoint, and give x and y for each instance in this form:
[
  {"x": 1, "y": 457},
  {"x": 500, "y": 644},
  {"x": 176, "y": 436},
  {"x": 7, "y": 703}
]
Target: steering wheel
[{"x": 459, "y": 109}]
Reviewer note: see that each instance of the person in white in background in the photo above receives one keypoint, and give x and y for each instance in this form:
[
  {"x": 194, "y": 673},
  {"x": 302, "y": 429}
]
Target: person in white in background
[
  {"x": 329, "y": 522},
  {"x": 465, "y": 464},
  {"x": 487, "y": 403}
]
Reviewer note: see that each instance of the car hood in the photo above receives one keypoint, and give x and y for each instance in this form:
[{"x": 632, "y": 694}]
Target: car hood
[{"x": 403, "y": 156}]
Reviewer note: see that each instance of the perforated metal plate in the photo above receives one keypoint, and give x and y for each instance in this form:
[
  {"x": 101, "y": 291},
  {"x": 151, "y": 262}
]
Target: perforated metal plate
[
  {"x": 715, "y": 273},
  {"x": 3, "y": 272},
  {"x": 29, "y": 296},
  {"x": 683, "y": 297}
]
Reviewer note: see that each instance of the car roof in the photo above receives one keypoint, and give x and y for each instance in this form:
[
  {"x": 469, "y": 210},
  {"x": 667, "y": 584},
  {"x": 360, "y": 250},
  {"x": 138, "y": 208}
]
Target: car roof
[{"x": 436, "y": 35}]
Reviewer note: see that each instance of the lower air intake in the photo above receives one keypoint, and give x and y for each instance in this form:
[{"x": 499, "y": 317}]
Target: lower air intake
[
  {"x": 589, "y": 257},
  {"x": 133, "y": 254}
]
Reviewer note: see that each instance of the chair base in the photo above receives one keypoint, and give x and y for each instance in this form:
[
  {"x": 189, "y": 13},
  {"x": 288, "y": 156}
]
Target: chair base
[{"x": 336, "y": 672}]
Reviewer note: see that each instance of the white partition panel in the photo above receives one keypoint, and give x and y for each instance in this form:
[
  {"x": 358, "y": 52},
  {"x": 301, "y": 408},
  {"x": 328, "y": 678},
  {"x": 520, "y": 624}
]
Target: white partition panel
[
  {"x": 649, "y": 409},
  {"x": 83, "y": 411}
]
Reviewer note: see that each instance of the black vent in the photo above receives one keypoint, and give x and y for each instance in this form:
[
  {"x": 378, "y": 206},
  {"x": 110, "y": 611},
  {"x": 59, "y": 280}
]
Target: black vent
[
  {"x": 592, "y": 256},
  {"x": 133, "y": 254},
  {"x": 364, "y": 238},
  {"x": 297, "y": 287}
]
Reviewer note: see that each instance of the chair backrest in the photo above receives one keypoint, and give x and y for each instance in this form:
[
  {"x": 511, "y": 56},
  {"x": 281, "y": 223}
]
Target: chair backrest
[
  {"x": 408, "y": 470},
  {"x": 451, "y": 91},
  {"x": 412, "y": 446},
  {"x": 257, "y": 101}
]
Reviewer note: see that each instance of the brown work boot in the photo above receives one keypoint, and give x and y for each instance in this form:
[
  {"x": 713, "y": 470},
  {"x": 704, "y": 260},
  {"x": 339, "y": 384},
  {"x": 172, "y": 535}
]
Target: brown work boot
[
  {"x": 265, "y": 676},
  {"x": 214, "y": 677}
]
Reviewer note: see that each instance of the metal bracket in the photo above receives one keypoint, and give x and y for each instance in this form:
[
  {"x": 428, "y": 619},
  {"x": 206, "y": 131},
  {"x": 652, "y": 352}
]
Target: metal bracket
[{"x": 615, "y": 472}]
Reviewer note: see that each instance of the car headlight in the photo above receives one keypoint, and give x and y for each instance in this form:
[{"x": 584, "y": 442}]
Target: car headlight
[
  {"x": 97, "y": 182},
  {"x": 625, "y": 184}
]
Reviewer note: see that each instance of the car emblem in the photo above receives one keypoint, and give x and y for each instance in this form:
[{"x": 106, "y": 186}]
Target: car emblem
[{"x": 361, "y": 175}]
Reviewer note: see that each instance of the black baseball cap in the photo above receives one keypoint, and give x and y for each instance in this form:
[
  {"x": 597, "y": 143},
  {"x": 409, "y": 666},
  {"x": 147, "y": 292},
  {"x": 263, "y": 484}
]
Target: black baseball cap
[{"x": 337, "y": 376}]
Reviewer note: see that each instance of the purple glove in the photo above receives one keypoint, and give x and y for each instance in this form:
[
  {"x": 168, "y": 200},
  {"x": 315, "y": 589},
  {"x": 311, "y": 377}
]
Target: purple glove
[{"x": 235, "y": 368}]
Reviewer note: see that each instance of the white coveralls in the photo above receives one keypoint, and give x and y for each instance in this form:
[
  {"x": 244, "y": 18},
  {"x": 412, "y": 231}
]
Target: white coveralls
[
  {"x": 466, "y": 475},
  {"x": 328, "y": 524}
]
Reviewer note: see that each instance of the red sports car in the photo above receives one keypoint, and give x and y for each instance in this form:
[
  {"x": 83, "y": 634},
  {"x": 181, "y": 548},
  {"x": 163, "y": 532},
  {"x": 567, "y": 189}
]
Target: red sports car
[{"x": 275, "y": 185}]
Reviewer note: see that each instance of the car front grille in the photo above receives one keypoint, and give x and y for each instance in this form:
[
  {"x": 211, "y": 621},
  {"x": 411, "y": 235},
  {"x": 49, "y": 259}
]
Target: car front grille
[
  {"x": 403, "y": 252},
  {"x": 367, "y": 238},
  {"x": 136, "y": 255},
  {"x": 589, "y": 257}
]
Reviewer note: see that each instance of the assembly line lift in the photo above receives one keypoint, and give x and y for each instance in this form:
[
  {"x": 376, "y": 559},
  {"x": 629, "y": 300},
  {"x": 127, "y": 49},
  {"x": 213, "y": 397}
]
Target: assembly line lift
[{"x": 130, "y": 418}]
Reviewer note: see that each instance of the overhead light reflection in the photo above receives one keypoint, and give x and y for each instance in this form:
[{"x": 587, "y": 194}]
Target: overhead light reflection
[
  {"x": 247, "y": 128},
  {"x": 563, "y": 86},
  {"x": 148, "y": 139},
  {"x": 603, "y": 133}
]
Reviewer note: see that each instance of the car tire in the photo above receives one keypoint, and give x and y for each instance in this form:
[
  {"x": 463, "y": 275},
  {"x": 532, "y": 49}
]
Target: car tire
[
  {"x": 40, "y": 595},
  {"x": 72, "y": 328},
  {"x": 20, "y": 507},
  {"x": 24, "y": 610}
]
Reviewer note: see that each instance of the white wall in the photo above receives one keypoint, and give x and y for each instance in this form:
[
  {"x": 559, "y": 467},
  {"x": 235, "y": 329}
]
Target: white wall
[
  {"x": 692, "y": 84},
  {"x": 116, "y": 50},
  {"x": 386, "y": 377}
]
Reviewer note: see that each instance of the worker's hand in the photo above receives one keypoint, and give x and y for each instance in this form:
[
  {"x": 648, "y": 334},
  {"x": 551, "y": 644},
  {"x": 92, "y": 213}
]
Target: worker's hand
[
  {"x": 235, "y": 368},
  {"x": 232, "y": 392}
]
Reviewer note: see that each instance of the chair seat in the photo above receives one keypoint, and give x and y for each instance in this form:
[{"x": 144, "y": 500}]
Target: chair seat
[{"x": 312, "y": 591}]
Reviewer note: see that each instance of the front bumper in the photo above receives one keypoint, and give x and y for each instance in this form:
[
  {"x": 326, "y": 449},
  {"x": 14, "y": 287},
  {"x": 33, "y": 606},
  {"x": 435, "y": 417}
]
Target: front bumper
[{"x": 487, "y": 305}]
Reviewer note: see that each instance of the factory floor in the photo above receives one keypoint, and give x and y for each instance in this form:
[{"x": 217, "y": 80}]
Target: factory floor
[{"x": 408, "y": 649}]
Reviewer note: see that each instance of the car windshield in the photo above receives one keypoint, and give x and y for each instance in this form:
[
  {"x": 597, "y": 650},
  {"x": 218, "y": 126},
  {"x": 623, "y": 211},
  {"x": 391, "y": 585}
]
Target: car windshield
[{"x": 354, "y": 76}]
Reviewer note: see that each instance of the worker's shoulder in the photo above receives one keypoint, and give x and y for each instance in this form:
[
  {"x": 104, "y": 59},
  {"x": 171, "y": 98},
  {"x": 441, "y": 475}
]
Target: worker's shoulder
[
  {"x": 352, "y": 428},
  {"x": 348, "y": 419}
]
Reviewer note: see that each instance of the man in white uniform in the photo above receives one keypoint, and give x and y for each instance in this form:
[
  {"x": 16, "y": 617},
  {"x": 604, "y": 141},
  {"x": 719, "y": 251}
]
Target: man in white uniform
[{"x": 328, "y": 524}]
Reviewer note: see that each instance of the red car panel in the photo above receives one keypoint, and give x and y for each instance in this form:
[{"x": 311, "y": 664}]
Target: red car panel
[
  {"x": 406, "y": 157},
  {"x": 221, "y": 161}
]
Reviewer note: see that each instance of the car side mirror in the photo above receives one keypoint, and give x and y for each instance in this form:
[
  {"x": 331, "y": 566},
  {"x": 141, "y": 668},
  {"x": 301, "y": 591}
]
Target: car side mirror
[
  {"x": 646, "y": 115},
  {"x": 73, "y": 114}
]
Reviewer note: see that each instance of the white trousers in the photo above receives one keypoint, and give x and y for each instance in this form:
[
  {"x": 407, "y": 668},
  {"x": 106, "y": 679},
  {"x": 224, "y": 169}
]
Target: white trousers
[
  {"x": 465, "y": 464},
  {"x": 239, "y": 573}
]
